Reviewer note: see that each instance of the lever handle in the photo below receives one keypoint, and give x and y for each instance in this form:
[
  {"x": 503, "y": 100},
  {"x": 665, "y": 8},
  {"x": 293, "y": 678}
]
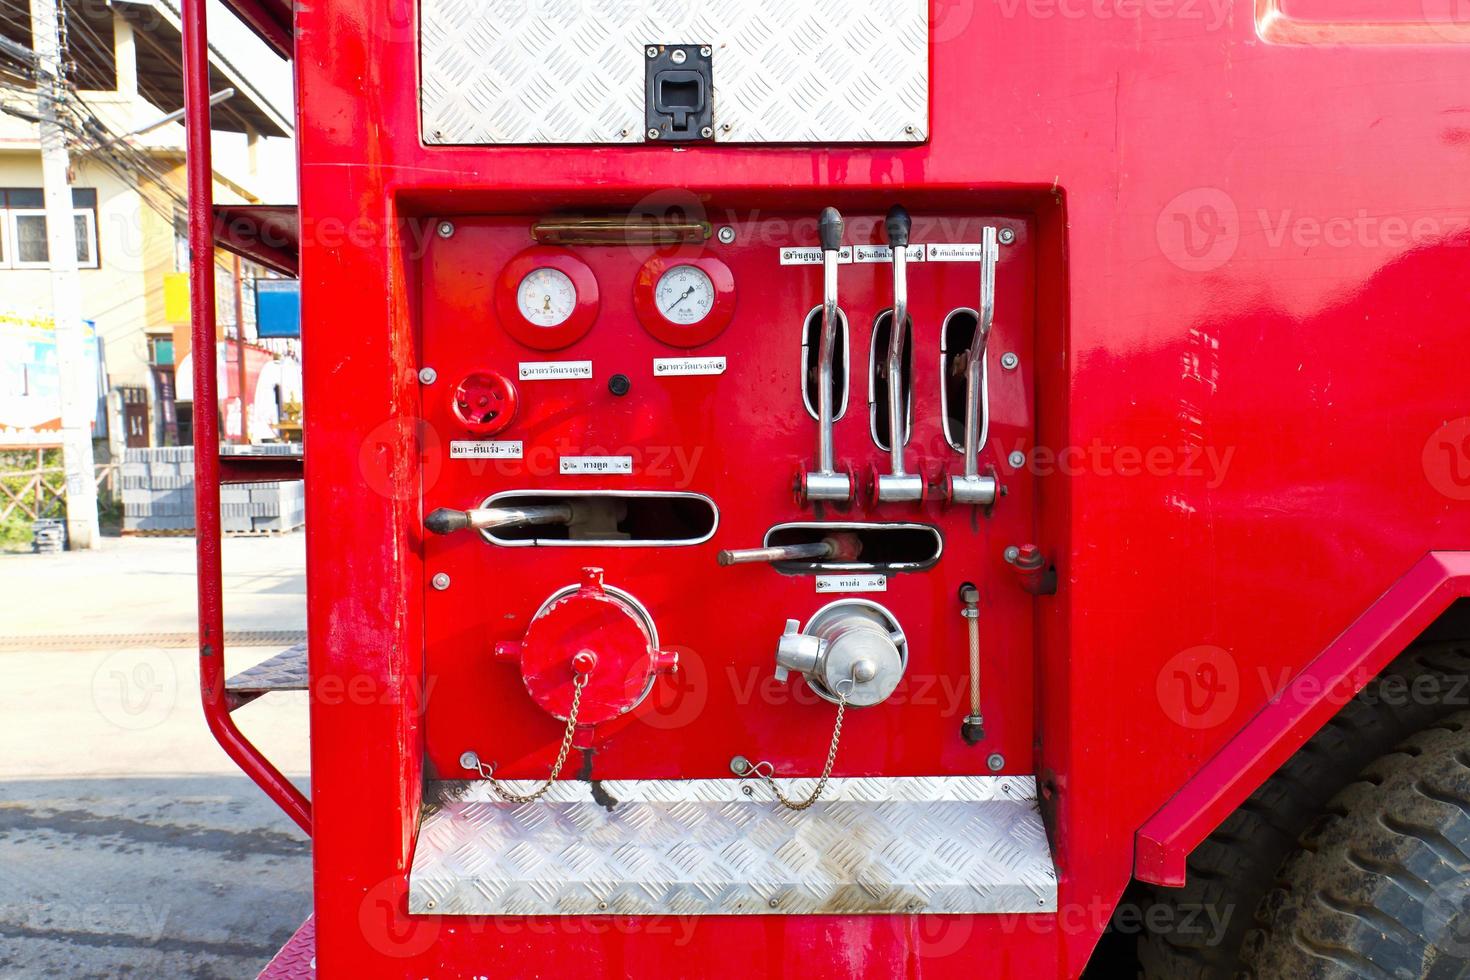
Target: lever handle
[
  {"x": 898, "y": 224},
  {"x": 447, "y": 520},
  {"x": 842, "y": 546},
  {"x": 829, "y": 229}
]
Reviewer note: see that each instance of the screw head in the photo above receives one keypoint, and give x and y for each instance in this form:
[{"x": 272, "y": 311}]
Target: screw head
[
  {"x": 1011, "y": 554},
  {"x": 652, "y": 133},
  {"x": 726, "y": 235},
  {"x": 469, "y": 760},
  {"x": 706, "y": 51},
  {"x": 678, "y": 56},
  {"x": 726, "y": 127},
  {"x": 1007, "y": 235},
  {"x": 739, "y": 765},
  {"x": 1017, "y": 459},
  {"x": 651, "y": 51},
  {"x": 909, "y": 130},
  {"x": 428, "y": 376},
  {"x": 440, "y": 581},
  {"x": 446, "y": 228},
  {"x": 707, "y": 132},
  {"x": 996, "y": 762},
  {"x": 1009, "y": 360}
]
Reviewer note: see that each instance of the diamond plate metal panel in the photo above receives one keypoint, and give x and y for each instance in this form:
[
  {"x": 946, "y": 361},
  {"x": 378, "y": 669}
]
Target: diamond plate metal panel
[
  {"x": 571, "y": 71},
  {"x": 286, "y": 671},
  {"x": 723, "y": 846}
]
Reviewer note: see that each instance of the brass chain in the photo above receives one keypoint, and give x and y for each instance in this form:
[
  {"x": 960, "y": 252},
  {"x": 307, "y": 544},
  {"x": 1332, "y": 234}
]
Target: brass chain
[
  {"x": 826, "y": 770},
  {"x": 561, "y": 756}
]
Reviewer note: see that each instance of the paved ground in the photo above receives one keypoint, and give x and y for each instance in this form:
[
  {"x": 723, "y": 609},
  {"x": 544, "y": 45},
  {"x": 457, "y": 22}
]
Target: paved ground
[{"x": 129, "y": 845}]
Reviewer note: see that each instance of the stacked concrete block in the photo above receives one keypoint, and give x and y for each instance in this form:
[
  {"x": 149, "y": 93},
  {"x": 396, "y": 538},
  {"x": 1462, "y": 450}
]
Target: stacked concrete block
[
  {"x": 253, "y": 507},
  {"x": 158, "y": 494}
]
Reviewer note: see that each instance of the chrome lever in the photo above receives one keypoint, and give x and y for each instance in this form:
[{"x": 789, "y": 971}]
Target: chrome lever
[
  {"x": 840, "y": 546},
  {"x": 826, "y": 483},
  {"x": 898, "y": 484},
  {"x": 447, "y": 520},
  {"x": 972, "y": 488}
]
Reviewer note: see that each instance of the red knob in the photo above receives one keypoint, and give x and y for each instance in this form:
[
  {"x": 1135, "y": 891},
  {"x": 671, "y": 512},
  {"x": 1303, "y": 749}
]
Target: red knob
[{"x": 485, "y": 402}]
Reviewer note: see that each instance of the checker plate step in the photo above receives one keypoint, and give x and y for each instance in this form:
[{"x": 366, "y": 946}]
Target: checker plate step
[{"x": 931, "y": 844}]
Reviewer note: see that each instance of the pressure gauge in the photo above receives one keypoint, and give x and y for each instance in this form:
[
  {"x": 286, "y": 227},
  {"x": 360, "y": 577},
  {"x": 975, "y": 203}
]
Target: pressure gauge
[
  {"x": 684, "y": 302},
  {"x": 546, "y": 298},
  {"x": 684, "y": 294}
]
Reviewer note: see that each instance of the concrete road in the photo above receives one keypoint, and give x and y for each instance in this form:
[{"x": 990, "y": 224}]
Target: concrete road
[{"x": 129, "y": 844}]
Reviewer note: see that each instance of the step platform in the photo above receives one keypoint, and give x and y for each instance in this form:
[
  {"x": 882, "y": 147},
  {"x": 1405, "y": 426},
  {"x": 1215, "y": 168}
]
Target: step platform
[
  {"x": 286, "y": 671},
  {"x": 925, "y": 844}
]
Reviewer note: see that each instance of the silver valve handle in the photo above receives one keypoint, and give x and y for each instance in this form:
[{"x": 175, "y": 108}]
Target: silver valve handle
[
  {"x": 826, "y": 483},
  {"x": 447, "y": 520},
  {"x": 898, "y": 484},
  {"x": 839, "y": 547},
  {"x": 972, "y": 488}
]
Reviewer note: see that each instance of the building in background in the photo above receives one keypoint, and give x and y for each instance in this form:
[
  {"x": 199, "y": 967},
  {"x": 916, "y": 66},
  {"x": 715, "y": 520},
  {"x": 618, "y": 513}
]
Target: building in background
[{"x": 128, "y": 192}]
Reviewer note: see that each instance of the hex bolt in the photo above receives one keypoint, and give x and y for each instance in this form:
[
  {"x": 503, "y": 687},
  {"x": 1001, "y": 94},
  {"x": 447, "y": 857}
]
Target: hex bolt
[
  {"x": 1017, "y": 459},
  {"x": 1009, "y": 360},
  {"x": 428, "y": 376},
  {"x": 996, "y": 762},
  {"x": 727, "y": 235},
  {"x": 440, "y": 581},
  {"x": 1011, "y": 554},
  {"x": 1007, "y": 235},
  {"x": 446, "y": 228},
  {"x": 707, "y": 132},
  {"x": 678, "y": 57}
]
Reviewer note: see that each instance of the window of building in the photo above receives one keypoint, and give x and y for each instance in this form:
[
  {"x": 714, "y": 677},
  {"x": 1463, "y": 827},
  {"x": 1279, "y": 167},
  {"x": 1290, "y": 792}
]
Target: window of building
[
  {"x": 23, "y": 243},
  {"x": 160, "y": 349}
]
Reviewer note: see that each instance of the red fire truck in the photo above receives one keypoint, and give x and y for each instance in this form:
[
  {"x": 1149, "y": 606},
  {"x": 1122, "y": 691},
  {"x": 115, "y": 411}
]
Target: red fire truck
[{"x": 877, "y": 487}]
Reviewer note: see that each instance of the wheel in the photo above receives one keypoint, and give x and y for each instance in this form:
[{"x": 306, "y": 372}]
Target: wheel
[
  {"x": 1231, "y": 872},
  {"x": 1381, "y": 884}
]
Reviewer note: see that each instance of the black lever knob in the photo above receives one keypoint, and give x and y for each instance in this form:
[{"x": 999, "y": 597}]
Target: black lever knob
[
  {"x": 899, "y": 224},
  {"x": 829, "y": 229},
  {"x": 446, "y": 520}
]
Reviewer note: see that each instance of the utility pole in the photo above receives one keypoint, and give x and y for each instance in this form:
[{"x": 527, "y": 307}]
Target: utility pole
[
  {"x": 78, "y": 382},
  {"x": 240, "y": 353}
]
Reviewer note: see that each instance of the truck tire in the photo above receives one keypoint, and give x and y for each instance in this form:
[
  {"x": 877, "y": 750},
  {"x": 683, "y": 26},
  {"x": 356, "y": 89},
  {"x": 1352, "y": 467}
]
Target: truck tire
[
  {"x": 1381, "y": 884},
  {"x": 1207, "y": 920}
]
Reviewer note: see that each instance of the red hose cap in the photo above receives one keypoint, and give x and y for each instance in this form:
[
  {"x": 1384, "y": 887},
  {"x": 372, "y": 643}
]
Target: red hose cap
[{"x": 594, "y": 633}]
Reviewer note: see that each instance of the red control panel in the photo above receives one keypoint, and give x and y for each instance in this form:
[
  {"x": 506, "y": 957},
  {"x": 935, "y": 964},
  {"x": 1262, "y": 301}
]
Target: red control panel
[{"x": 650, "y": 410}]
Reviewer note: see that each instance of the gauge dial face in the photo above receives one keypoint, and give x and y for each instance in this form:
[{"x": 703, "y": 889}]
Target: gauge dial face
[
  {"x": 684, "y": 294},
  {"x": 546, "y": 297}
]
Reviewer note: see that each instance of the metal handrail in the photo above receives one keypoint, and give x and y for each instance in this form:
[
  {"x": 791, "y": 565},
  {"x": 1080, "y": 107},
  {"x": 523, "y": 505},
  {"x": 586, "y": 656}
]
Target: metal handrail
[{"x": 212, "y": 675}]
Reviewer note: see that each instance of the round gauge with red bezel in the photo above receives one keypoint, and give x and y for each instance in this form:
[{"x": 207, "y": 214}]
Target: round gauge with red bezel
[
  {"x": 546, "y": 298},
  {"x": 684, "y": 302}
]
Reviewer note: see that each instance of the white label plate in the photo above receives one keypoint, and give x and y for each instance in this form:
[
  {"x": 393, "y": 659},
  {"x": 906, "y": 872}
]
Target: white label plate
[
  {"x": 852, "y": 583},
  {"x": 554, "y": 370},
  {"x": 484, "y": 449},
  {"x": 572, "y": 465},
  {"x": 955, "y": 253},
  {"x": 674, "y": 367},
  {"x": 871, "y": 254},
  {"x": 813, "y": 255}
]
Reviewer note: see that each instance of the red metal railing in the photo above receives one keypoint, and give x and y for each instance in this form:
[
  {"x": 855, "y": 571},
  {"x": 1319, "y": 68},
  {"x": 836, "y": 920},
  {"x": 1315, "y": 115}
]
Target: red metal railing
[{"x": 206, "y": 428}]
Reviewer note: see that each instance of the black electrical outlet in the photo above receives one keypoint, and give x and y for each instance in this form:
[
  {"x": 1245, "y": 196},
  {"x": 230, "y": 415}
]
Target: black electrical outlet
[{"x": 679, "y": 93}]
